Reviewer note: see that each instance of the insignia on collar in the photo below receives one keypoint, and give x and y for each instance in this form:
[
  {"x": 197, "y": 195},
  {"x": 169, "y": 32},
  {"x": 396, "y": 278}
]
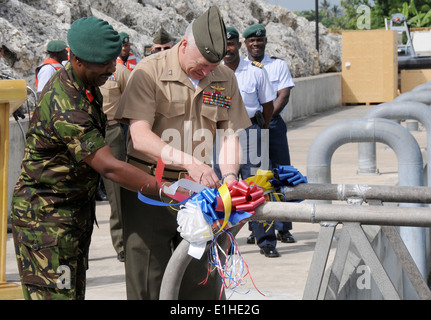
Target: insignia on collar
[{"x": 257, "y": 64}]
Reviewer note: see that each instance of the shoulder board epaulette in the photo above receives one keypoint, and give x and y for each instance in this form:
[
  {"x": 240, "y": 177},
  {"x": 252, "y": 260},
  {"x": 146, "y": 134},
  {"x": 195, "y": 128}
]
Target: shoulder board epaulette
[
  {"x": 275, "y": 58},
  {"x": 257, "y": 64}
]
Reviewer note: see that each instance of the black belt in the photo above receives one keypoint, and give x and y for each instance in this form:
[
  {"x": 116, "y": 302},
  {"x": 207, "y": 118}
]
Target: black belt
[{"x": 167, "y": 173}]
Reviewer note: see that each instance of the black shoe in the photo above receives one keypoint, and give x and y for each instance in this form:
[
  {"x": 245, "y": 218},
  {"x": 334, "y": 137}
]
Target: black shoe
[
  {"x": 269, "y": 251},
  {"x": 120, "y": 256},
  {"x": 251, "y": 239},
  {"x": 285, "y": 237}
]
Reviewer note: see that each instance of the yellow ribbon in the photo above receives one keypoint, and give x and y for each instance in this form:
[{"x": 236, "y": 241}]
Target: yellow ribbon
[
  {"x": 262, "y": 178},
  {"x": 227, "y": 203}
]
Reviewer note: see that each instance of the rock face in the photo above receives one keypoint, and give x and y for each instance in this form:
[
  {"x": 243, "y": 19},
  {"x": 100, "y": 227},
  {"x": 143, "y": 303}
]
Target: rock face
[{"x": 27, "y": 26}]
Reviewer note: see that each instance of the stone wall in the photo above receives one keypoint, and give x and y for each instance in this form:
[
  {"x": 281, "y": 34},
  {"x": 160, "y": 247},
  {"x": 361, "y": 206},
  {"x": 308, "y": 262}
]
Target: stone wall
[{"x": 27, "y": 26}]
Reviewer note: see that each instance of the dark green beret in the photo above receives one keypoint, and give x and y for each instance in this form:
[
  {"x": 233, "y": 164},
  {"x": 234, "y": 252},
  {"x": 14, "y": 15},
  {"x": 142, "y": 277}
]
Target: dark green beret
[
  {"x": 255, "y": 30},
  {"x": 56, "y": 46},
  {"x": 94, "y": 40},
  {"x": 162, "y": 37},
  {"x": 231, "y": 33},
  {"x": 210, "y": 35},
  {"x": 124, "y": 37}
]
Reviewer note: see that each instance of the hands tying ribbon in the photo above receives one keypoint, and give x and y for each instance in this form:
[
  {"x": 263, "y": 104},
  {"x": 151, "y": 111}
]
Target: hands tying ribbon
[
  {"x": 229, "y": 205},
  {"x": 203, "y": 216}
]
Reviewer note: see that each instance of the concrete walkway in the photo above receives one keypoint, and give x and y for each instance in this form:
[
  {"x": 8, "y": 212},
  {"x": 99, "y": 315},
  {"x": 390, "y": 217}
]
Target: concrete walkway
[{"x": 276, "y": 278}]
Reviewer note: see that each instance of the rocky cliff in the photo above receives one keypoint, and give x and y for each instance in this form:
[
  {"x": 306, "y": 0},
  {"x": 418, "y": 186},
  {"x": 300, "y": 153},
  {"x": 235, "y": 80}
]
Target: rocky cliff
[{"x": 27, "y": 26}]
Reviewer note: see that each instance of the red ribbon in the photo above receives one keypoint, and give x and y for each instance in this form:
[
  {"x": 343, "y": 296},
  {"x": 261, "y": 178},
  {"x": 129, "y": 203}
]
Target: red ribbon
[{"x": 245, "y": 197}]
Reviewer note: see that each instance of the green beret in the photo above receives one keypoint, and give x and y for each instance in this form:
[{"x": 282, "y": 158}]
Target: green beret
[
  {"x": 231, "y": 33},
  {"x": 162, "y": 37},
  {"x": 124, "y": 37},
  {"x": 56, "y": 46},
  {"x": 255, "y": 30},
  {"x": 94, "y": 40},
  {"x": 210, "y": 35}
]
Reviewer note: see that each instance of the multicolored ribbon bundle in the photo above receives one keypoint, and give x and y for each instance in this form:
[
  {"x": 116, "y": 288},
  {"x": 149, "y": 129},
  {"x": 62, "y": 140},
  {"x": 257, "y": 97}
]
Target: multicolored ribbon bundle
[
  {"x": 210, "y": 213},
  {"x": 229, "y": 205}
]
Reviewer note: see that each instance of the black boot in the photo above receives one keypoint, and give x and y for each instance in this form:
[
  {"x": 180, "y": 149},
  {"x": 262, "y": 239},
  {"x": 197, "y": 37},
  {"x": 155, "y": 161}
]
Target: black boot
[{"x": 101, "y": 192}]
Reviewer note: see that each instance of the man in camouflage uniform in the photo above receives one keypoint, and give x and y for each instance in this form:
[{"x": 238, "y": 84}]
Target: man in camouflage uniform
[{"x": 53, "y": 206}]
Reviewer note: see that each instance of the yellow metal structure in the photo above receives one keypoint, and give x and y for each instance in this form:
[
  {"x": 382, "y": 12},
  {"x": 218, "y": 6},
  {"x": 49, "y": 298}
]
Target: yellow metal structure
[{"x": 13, "y": 93}]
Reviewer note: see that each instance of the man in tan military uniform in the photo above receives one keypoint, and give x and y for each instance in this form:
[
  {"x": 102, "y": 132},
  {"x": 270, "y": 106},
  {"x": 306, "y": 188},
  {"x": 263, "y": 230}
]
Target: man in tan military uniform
[
  {"x": 182, "y": 95},
  {"x": 116, "y": 138}
]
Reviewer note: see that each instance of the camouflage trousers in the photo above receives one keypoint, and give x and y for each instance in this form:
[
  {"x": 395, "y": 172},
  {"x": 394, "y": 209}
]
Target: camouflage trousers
[{"x": 52, "y": 260}]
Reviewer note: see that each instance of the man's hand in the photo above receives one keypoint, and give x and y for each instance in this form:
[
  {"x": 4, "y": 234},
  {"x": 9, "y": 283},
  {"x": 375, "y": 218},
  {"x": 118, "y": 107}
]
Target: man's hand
[{"x": 203, "y": 174}]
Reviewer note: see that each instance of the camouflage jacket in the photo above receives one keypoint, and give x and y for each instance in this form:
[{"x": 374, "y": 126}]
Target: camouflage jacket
[{"x": 67, "y": 126}]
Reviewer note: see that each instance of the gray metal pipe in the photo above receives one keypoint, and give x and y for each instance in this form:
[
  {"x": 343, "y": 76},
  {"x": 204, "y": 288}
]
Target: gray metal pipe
[
  {"x": 423, "y": 96},
  {"x": 396, "y": 110},
  {"x": 410, "y": 165},
  {"x": 344, "y": 192},
  {"x": 321, "y": 212},
  {"x": 174, "y": 272},
  {"x": 302, "y": 212},
  {"x": 423, "y": 86}
]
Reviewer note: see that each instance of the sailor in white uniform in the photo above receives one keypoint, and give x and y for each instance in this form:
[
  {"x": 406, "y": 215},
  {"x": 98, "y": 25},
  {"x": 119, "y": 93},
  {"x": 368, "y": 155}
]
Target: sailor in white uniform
[{"x": 282, "y": 82}]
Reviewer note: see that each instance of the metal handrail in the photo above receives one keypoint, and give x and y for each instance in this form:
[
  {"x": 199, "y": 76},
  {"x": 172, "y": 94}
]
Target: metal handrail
[{"x": 320, "y": 212}]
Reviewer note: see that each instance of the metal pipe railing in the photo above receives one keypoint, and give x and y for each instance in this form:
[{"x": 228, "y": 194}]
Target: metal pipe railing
[
  {"x": 402, "y": 142},
  {"x": 405, "y": 146},
  {"x": 371, "y": 215},
  {"x": 396, "y": 110},
  {"x": 303, "y": 212}
]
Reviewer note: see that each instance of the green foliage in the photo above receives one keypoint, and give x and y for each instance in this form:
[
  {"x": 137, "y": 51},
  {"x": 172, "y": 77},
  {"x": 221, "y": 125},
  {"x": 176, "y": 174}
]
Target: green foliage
[{"x": 345, "y": 16}]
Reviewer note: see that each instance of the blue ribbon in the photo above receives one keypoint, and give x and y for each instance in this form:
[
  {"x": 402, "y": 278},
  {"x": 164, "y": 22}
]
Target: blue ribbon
[
  {"x": 207, "y": 200},
  {"x": 159, "y": 203},
  {"x": 287, "y": 175}
]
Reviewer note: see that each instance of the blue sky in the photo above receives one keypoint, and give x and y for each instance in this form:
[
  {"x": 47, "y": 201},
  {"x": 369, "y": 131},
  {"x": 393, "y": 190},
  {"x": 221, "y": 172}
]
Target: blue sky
[{"x": 299, "y": 5}]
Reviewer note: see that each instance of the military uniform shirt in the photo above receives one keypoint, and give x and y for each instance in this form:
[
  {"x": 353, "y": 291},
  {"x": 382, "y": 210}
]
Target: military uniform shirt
[
  {"x": 65, "y": 129},
  {"x": 160, "y": 93},
  {"x": 255, "y": 87},
  {"x": 278, "y": 73},
  {"x": 112, "y": 90}
]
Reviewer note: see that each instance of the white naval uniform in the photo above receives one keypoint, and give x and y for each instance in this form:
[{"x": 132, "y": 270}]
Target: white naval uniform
[
  {"x": 255, "y": 89},
  {"x": 280, "y": 77},
  {"x": 254, "y": 85}
]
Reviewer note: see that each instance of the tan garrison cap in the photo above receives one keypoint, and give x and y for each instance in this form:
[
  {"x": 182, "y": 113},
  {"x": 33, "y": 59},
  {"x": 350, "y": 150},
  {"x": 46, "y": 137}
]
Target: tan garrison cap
[
  {"x": 210, "y": 35},
  {"x": 162, "y": 37}
]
